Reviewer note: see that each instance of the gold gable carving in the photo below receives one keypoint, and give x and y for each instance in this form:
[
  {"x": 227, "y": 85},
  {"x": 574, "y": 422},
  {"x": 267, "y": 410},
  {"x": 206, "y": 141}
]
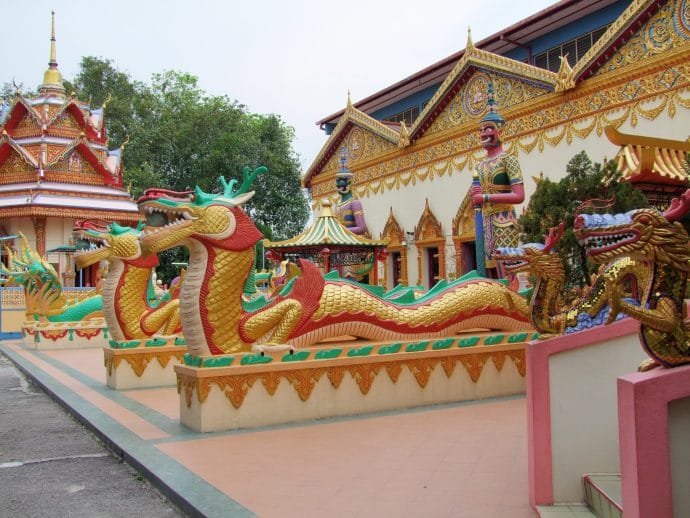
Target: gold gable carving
[
  {"x": 428, "y": 228},
  {"x": 666, "y": 30},
  {"x": 393, "y": 232},
  {"x": 469, "y": 104},
  {"x": 26, "y": 127},
  {"x": 16, "y": 169},
  {"x": 367, "y": 144}
]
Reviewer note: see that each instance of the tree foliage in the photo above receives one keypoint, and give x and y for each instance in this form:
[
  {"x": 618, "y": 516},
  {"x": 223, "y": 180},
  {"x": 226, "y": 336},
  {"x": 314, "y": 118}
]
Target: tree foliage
[
  {"x": 555, "y": 202},
  {"x": 178, "y": 137}
]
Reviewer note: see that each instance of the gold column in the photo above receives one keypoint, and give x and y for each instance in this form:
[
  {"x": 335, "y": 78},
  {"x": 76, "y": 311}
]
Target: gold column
[{"x": 40, "y": 232}]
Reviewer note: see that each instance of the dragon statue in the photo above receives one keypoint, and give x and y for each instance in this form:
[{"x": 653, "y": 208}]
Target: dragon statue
[
  {"x": 43, "y": 293},
  {"x": 127, "y": 287},
  {"x": 654, "y": 249},
  {"x": 548, "y": 311},
  {"x": 221, "y": 238}
]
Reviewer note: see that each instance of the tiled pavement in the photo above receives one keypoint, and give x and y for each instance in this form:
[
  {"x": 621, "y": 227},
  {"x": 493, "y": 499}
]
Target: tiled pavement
[{"x": 457, "y": 460}]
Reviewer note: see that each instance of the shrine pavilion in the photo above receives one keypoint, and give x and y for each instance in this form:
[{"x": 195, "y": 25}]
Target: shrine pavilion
[
  {"x": 332, "y": 247},
  {"x": 560, "y": 76},
  {"x": 56, "y": 168}
]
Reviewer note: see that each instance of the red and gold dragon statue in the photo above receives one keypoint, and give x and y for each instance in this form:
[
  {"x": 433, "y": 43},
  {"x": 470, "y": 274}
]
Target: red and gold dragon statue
[
  {"x": 126, "y": 307},
  {"x": 221, "y": 237},
  {"x": 651, "y": 247}
]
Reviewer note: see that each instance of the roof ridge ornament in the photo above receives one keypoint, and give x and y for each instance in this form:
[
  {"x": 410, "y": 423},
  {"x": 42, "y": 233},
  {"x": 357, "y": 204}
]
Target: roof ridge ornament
[
  {"x": 469, "y": 46},
  {"x": 566, "y": 76}
]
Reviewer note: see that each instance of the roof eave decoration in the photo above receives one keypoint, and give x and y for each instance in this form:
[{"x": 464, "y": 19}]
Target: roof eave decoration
[
  {"x": 81, "y": 145},
  {"x": 352, "y": 116},
  {"x": 472, "y": 59},
  {"x": 21, "y": 107},
  {"x": 326, "y": 230},
  {"x": 648, "y": 159},
  {"x": 620, "y": 31},
  {"x": 7, "y": 143}
]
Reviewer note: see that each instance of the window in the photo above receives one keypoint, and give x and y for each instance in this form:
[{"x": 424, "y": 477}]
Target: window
[
  {"x": 575, "y": 49},
  {"x": 408, "y": 116}
]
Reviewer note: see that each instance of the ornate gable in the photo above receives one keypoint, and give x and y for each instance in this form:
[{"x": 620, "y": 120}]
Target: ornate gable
[
  {"x": 15, "y": 167},
  {"x": 364, "y": 137},
  {"x": 519, "y": 82},
  {"x": 393, "y": 232},
  {"x": 469, "y": 104},
  {"x": 428, "y": 229},
  {"x": 643, "y": 31}
]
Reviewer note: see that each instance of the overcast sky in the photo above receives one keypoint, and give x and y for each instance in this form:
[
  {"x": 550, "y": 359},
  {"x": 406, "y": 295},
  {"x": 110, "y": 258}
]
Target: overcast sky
[{"x": 295, "y": 58}]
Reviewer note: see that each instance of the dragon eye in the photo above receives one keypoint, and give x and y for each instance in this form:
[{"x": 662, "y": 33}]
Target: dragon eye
[{"x": 644, "y": 219}]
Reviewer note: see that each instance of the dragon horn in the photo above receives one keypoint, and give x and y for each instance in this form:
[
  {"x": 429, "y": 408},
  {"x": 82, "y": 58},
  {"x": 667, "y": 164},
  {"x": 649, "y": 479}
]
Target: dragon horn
[
  {"x": 555, "y": 234},
  {"x": 247, "y": 180},
  {"x": 679, "y": 207}
]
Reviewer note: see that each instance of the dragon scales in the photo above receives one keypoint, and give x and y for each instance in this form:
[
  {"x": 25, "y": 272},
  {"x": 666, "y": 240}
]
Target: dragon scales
[
  {"x": 221, "y": 238},
  {"x": 654, "y": 244},
  {"x": 127, "y": 311}
]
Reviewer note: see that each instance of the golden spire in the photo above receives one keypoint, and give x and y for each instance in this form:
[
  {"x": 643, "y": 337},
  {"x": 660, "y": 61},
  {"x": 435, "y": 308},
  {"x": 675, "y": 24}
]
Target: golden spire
[
  {"x": 470, "y": 44},
  {"x": 52, "y": 79},
  {"x": 349, "y": 100}
]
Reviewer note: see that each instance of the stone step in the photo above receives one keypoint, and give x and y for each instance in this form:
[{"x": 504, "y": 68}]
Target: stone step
[
  {"x": 603, "y": 494},
  {"x": 565, "y": 511}
]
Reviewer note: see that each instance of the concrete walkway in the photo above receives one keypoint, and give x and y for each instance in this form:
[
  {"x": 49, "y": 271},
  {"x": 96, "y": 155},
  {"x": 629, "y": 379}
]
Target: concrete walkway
[{"x": 459, "y": 460}]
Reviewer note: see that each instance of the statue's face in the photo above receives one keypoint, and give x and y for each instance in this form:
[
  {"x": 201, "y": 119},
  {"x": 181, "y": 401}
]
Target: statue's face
[
  {"x": 489, "y": 136},
  {"x": 342, "y": 185}
]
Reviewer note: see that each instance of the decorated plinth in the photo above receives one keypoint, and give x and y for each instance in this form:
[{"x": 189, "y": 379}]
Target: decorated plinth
[
  {"x": 143, "y": 363},
  {"x": 80, "y": 334},
  {"x": 243, "y": 391}
]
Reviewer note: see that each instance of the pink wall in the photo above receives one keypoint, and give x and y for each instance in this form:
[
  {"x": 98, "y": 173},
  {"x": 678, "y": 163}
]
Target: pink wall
[{"x": 644, "y": 439}]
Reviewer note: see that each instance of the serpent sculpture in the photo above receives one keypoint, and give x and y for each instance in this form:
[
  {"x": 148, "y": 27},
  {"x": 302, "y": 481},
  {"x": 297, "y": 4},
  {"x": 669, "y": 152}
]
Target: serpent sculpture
[
  {"x": 221, "y": 237},
  {"x": 548, "y": 312},
  {"x": 126, "y": 306},
  {"x": 43, "y": 293},
  {"x": 656, "y": 252}
]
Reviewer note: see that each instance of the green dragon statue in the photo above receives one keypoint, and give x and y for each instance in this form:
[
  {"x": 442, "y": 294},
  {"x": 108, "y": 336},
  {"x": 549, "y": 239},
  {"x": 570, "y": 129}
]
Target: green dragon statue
[{"x": 43, "y": 292}]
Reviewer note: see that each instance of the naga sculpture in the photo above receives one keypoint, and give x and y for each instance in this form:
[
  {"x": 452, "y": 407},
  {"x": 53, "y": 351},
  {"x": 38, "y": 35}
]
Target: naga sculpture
[
  {"x": 221, "y": 237},
  {"x": 126, "y": 306},
  {"x": 43, "y": 293},
  {"x": 548, "y": 311},
  {"x": 655, "y": 248}
]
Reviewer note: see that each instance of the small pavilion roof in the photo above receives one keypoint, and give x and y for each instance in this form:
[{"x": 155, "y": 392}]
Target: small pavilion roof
[
  {"x": 326, "y": 231},
  {"x": 650, "y": 160}
]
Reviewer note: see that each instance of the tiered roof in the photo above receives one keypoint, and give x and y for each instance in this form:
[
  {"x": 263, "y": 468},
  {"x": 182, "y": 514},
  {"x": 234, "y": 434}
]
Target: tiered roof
[{"x": 54, "y": 159}]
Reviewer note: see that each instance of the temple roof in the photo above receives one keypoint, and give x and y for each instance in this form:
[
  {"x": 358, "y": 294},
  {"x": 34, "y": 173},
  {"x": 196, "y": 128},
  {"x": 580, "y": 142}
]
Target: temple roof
[
  {"x": 326, "y": 231},
  {"x": 650, "y": 160}
]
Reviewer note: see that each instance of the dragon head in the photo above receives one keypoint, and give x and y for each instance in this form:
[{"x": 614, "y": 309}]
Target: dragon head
[
  {"x": 644, "y": 233},
  {"x": 28, "y": 269},
  {"x": 108, "y": 241},
  {"x": 217, "y": 219},
  {"x": 535, "y": 258}
]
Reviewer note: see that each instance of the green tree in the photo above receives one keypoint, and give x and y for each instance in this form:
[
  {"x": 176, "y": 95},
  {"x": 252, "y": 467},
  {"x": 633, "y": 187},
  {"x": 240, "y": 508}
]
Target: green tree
[
  {"x": 178, "y": 136},
  {"x": 555, "y": 202}
]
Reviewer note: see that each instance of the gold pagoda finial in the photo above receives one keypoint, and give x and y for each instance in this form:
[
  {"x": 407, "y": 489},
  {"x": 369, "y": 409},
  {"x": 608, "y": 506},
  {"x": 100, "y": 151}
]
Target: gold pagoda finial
[
  {"x": 52, "y": 79},
  {"x": 470, "y": 44},
  {"x": 349, "y": 100}
]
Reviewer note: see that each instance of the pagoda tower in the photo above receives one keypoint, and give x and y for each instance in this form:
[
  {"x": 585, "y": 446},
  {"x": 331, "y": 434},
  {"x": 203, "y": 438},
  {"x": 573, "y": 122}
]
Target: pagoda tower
[{"x": 56, "y": 168}]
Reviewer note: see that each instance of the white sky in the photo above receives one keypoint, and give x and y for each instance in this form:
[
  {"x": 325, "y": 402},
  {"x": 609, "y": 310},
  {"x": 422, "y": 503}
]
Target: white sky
[{"x": 295, "y": 58}]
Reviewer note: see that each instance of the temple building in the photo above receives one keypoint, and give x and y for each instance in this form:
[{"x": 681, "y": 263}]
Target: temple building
[
  {"x": 56, "y": 168},
  {"x": 561, "y": 77}
]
